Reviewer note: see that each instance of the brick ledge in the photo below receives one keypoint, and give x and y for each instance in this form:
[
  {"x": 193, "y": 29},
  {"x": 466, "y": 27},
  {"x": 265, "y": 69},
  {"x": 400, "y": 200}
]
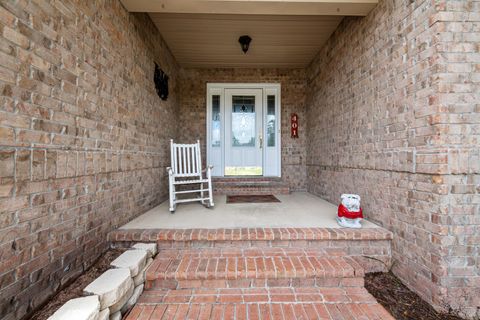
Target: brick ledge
[{"x": 249, "y": 234}]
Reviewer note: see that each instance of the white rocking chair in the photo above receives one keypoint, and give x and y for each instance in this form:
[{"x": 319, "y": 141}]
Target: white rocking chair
[{"x": 187, "y": 170}]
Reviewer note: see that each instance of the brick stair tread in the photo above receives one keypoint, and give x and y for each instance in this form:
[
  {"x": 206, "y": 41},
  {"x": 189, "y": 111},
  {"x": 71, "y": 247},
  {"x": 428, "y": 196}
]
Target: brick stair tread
[
  {"x": 264, "y": 303},
  {"x": 248, "y": 263}
]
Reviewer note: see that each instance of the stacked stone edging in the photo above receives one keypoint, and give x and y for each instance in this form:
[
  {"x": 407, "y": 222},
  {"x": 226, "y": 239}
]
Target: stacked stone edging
[
  {"x": 80, "y": 308},
  {"x": 116, "y": 291}
]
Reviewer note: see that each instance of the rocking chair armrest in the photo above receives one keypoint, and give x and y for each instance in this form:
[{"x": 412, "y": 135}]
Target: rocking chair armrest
[
  {"x": 209, "y": 167},
  {"x": 170, "y": 170}
]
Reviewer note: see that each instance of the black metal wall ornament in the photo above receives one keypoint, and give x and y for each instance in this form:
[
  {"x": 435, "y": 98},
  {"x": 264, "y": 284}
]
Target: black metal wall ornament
[{"x": 161, "y": 82}]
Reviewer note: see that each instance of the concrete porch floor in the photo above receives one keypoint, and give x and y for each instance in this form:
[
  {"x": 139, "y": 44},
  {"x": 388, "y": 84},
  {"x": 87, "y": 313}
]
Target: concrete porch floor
[{"x": 296, "y": 210}]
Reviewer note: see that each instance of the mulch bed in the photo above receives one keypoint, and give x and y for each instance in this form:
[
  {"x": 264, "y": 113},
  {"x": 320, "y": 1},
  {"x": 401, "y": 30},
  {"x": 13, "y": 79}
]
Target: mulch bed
[
  {"x": 75, "y": 289},
  {"x": 401, "y": 302},
  {"x": 260, "y": 198}
]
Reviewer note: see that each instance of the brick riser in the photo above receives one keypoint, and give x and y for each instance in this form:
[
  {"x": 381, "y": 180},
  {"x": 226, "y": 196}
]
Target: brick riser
[
  {"x": 251, "y": 190},
  {"x": 333, "y": 282},
  {"x": 257, "y": 295},
  {"x": 246, "y": 186},
  {"x": 371, "y": 248}
]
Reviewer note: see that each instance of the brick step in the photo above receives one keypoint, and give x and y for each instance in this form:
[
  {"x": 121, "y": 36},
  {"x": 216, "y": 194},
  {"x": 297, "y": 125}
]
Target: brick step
[
  {"x": 369, "y": 246},
  {"x": 264, "y": 303},
  {"x": 245, "y": 186},
  {"x": 248, "y": 234},
  {"x": 251, "y": 267}
]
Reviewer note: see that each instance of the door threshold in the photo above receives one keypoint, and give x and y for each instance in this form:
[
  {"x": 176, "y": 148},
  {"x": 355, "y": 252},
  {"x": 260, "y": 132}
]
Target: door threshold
[{"x": 247, "y": 177}]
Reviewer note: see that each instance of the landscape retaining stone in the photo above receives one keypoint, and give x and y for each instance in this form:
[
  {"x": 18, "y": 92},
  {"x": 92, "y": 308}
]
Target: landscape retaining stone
[
  {"x": 111, "y": 286},
  {"x": 116, "y": 316},
  {"x": 133, "y": 299},
  {"x": 104, "y": 314},
  {"x": 85, "y": 308},
  {"x": 140, "y": 277},
  {"x": 151, "y": 248},
  {"x": 134, "y": 260},
  {"x": 118, "y": 306}
]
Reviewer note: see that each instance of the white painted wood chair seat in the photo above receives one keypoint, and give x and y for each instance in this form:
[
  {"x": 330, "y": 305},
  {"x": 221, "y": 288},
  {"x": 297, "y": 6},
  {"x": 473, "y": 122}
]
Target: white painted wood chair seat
[{"x": 186, "y": 169}]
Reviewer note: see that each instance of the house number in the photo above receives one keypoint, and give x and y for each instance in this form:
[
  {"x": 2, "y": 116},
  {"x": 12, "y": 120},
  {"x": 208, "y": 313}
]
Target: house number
[{"x": 294, "y": 125}]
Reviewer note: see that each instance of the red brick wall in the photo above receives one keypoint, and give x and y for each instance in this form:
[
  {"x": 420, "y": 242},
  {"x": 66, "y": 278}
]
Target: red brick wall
[
  {"x": 83, "y": 138},
  {"x": 393, "y": 115},
  {"x": 193, "y": 110}
]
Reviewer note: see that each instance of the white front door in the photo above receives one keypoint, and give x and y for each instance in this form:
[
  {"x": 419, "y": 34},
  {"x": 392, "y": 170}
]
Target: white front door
[
  {"x": 243, "y": 129},
  {"x": 244, "y": 132}
]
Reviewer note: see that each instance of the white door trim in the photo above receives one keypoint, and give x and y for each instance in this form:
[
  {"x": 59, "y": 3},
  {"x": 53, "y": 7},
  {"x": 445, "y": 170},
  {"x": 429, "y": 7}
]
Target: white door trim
[{"x": 271, "y": 155}]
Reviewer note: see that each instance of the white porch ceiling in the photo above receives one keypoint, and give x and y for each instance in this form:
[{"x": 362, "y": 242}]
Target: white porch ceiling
[
  {"x": 206, "y": 40},
  {"x": 201, "y": 34},
  {"x": 261, "y": 7}
]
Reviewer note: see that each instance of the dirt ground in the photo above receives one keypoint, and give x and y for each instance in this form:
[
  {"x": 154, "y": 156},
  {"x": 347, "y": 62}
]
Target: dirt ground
[
  {"x": 75, "y": 289},
  {"x": 401, "y": 302}
]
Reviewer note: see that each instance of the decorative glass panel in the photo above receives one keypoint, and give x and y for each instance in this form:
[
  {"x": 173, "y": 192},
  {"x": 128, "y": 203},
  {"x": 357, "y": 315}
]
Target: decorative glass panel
[
  {"x": 271, "y": 121},
  {"x": 243, "y": 121},
  {"x": 216, "y": 123},
  {"x": 243, "y": 171}
]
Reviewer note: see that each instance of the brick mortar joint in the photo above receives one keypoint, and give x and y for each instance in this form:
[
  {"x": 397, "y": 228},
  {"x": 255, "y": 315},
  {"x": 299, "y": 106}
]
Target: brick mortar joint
[{"x": 55, "y": 148}]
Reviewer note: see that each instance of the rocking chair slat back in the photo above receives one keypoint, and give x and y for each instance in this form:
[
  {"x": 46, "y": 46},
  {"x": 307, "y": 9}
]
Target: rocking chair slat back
[
  {"x": 187, "y": 163},
  {"x": 186, "y": 159}
]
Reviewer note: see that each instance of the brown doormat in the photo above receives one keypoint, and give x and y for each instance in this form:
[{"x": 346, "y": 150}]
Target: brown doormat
[{"x": 252, "y": 198}]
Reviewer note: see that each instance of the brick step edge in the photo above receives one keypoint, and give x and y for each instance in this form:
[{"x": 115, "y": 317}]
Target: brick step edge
[
  {"x": 248, "y": 234},
  {"x": 333, "y": 282},
  {"x": 259, "y": 295}
]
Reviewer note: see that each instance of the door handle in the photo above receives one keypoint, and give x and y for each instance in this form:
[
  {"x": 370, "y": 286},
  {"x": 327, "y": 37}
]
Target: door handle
[{"x": 261, "y": 141}]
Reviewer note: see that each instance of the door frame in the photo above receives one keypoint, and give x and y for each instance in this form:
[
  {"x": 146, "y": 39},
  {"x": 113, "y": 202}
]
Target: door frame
[{"x": 271, "y": 155}]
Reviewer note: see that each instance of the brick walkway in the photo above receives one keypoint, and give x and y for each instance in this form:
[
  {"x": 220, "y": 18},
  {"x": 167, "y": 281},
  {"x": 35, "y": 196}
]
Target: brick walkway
[
  {"x": 255, "y": 283},
  {"x": 259, "y": 303}
]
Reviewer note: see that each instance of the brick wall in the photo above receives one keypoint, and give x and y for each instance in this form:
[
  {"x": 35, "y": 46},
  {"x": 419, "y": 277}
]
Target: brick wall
[
  {"x": 456, "y": 25},
  {"x": 391, "y": 104},
  {"x": 83, "y": 138},
  {"x": 393, "y": 114},
  {"x": 193, "y": 109}
]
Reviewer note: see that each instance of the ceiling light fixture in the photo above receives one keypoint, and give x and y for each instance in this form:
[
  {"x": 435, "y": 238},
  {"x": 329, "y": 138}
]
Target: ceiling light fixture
[{"x": 245, "y": 43}]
